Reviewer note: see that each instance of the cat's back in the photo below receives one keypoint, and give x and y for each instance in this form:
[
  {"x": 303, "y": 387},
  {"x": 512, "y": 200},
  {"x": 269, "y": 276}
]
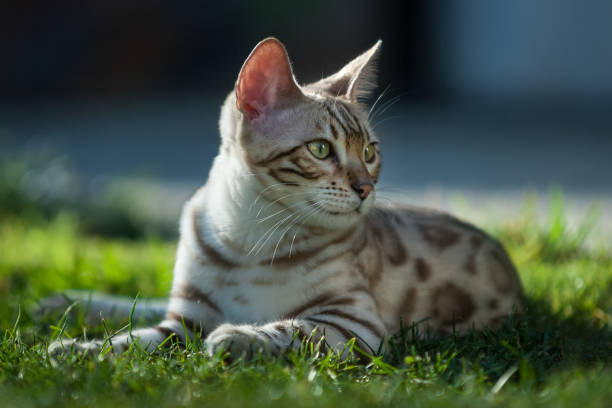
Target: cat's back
[{"x": 437, "y": 268}]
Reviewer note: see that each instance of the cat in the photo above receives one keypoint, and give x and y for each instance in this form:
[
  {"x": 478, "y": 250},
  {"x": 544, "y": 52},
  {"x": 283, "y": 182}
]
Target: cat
[{"x": 285, "y": 240}]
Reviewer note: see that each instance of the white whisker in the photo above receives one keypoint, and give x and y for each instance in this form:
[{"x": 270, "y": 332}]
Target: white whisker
[
  {"x": 275, "y": 227},
  {"x": 385, "y": 106},
  {"x": 260, "y": 220},
  {"x": 380, "y": 122},
  {"x": 380, "y": 96},
  {"x": 277, "y": 185},
  {"x": 268, "y": 231},
  {"x": 292, "y": 241},
  {"x": 288, "y": 228},
  {"x": 281, "y": 198}
]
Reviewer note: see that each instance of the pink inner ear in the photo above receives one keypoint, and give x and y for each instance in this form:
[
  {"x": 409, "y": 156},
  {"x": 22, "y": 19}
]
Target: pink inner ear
[{"x": 265, "y": 80}]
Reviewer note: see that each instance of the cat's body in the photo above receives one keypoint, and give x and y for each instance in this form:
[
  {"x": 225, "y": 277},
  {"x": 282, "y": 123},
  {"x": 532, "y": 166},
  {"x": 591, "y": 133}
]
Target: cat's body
[{"x": 284, "y": 237}]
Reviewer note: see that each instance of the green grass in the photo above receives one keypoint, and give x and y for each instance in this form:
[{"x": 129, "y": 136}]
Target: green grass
[{"x": 559, "y": 353}]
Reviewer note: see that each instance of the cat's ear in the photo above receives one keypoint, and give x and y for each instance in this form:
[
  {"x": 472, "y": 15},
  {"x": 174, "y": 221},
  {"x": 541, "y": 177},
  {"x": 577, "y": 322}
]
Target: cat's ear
[
  {"x": 356, "y": 79},
  {"x": 266, "y": 81}
]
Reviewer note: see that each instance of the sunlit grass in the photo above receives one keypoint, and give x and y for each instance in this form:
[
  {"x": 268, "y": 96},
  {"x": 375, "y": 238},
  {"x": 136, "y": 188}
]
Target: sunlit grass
[{"x": 559, "y": 353}]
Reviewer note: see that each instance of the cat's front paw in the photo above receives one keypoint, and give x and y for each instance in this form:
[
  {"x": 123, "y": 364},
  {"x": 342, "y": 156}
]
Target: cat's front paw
[
  {"x": 238, "y": 341},
  {"x": 65, "y": 347}
]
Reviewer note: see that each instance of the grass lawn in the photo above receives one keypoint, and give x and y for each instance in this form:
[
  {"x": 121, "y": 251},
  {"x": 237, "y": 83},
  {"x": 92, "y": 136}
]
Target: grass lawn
[{"x": 559, "y": 353}]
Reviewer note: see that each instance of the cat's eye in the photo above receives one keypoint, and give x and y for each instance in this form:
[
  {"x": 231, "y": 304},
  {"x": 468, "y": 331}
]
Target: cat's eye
[
  {"x": 319, "y": 148},
  {"x": 369, "y": 153}
]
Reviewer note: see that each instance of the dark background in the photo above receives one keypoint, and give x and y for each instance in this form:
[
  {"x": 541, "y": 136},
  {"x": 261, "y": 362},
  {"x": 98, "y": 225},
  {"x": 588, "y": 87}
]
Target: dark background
[
  {"x": 491, "y": 94},
  {"x": 114, "y": 48}
]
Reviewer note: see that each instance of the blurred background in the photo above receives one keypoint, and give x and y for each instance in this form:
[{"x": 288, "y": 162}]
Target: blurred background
[{"x": 113, "y": 105}]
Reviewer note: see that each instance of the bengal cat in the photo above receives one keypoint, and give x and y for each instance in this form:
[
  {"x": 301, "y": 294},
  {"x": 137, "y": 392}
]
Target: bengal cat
[{"x": 286, "y": 237}]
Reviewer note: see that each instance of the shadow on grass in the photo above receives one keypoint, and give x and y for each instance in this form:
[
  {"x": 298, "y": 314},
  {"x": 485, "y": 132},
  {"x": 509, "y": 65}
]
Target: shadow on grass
[{"x": 537, "y": 344}]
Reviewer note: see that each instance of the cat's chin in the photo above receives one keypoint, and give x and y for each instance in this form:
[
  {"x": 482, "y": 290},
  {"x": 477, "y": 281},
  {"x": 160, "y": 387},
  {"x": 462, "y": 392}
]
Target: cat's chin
[{"x": 334, "y": 220}]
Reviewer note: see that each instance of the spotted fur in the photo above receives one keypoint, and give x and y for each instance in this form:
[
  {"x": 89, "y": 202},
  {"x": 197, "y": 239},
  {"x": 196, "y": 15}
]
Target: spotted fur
[{"x": 279, "y": 243}]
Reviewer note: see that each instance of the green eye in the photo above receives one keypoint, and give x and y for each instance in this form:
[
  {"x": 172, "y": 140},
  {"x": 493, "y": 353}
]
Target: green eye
[
  {"x": 319, "y": 148},
  {"x": 369, "y": 153}
]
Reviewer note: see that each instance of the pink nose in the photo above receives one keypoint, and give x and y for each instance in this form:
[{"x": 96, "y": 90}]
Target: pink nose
[{"x": 363, "y": 189}]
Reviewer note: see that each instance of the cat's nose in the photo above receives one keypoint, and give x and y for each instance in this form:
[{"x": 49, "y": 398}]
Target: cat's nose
[{"x": 363, "y": 189}]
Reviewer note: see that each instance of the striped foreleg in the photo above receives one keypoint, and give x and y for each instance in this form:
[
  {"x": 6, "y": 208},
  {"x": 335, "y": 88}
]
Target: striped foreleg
[
  {"x": 191, "y": 313},
  {"x": 335, "y": 324}
]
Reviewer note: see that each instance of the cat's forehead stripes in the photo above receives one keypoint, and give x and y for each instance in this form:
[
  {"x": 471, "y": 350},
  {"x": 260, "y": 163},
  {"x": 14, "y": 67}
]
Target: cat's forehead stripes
[{"x": 345, "y": 123}]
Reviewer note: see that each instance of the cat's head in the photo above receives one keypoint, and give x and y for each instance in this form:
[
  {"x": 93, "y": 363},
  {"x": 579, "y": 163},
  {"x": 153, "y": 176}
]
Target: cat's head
[{"x": 311, "y": 147}]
